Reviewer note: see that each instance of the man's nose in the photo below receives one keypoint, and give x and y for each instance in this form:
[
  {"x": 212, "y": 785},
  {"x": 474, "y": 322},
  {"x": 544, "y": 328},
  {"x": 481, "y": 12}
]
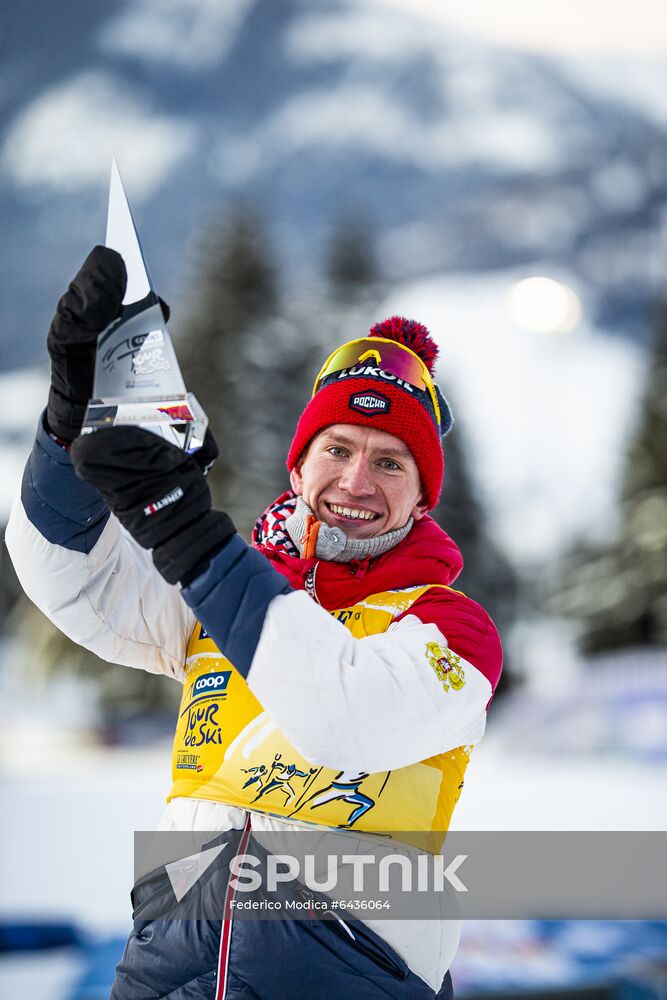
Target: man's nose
[{"x": 357, "y": 479}]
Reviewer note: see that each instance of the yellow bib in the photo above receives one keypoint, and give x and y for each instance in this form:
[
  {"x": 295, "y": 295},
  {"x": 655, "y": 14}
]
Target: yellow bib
[{"x": 228, "y": 749}]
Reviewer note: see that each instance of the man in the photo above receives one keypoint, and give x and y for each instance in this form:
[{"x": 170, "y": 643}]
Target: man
[{"x": 331, "y": 659}]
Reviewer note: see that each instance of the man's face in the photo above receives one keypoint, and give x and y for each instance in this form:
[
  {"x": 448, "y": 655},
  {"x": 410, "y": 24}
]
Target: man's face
[{"x": 362, "y": 480}]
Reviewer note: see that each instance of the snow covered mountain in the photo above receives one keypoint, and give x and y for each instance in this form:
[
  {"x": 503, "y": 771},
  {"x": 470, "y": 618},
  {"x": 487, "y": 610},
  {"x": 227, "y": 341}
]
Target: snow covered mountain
[{"x": 462, "y": 157}]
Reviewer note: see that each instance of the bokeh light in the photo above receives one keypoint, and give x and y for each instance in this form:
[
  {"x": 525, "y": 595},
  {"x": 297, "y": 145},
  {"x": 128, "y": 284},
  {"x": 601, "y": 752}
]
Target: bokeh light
[{"x": 543, "y": 305}]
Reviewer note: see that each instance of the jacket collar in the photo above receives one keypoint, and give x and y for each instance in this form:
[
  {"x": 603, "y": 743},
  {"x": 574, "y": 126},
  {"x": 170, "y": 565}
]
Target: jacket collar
[{"x": 426, "y": 555}]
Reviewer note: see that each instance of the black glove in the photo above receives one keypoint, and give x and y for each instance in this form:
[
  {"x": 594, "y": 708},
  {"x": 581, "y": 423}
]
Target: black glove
[
  {"x": 92, "y": 301},
  {"x": 159, "y": 493}
]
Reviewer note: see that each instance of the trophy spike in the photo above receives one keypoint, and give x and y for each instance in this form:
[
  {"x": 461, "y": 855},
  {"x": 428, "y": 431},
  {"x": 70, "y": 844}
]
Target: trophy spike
[
  {"x": 138, "y": 380},
  {"x": 122, "y": 236}
]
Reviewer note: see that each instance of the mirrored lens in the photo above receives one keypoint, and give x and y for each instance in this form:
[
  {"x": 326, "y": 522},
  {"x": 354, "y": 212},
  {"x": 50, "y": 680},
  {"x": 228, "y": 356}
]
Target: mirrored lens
[{"x": 384, "y": 354}]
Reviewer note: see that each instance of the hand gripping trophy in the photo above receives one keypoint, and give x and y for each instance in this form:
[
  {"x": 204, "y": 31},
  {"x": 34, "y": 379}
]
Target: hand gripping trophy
[{"x": 137, "y": 377}]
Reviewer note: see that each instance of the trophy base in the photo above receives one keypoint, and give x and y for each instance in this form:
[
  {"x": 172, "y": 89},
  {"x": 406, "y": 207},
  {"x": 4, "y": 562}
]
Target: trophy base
[{"x": 179, "y": 419}]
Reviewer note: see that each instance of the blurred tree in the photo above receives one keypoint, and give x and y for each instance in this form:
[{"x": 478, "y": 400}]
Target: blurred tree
[
  {"x": 351, "y": 265},
  {"x": 487, "y": 576},
  {"x": 226, "y": 342},
  {"x": 619, "y": 594},
  {"x": 249, "y": 358}
]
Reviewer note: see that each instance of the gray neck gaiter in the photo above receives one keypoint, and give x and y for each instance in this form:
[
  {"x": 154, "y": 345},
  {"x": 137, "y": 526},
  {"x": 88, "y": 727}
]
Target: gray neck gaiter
[{"x": 334, "y": 545}]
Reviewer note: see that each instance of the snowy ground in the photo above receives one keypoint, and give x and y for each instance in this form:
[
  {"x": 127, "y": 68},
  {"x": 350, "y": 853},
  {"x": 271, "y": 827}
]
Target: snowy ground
[
  {"x": 69, "y": 852},
  {"x": 516, "y": 791}
]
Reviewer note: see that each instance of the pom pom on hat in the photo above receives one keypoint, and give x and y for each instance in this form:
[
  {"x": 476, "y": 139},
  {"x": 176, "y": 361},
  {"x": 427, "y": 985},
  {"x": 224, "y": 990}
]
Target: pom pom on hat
[{"x": 411, "y": 334}]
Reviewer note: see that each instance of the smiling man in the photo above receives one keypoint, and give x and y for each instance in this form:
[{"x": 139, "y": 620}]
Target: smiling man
[
  {"x": 364, "y": 480},
  {"x": 331, "y": 675}
]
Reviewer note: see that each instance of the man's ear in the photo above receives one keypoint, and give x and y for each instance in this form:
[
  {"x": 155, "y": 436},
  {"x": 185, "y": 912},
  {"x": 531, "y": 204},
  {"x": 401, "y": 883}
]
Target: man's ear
[
  {"x": 419, "y": 510},
  {"x": 296, "y": 480}
]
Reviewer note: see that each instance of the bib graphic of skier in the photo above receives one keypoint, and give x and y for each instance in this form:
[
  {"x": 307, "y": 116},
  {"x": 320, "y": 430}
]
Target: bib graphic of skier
[
  {"x": 280, "y": 776},
  {"x": 257, "y": 775},
  {"x": 345, "y": 787}
]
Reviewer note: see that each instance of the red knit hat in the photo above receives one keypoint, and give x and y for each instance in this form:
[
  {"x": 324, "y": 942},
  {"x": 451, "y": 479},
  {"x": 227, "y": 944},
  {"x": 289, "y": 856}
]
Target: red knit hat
[{"x": 375, "y": 399}]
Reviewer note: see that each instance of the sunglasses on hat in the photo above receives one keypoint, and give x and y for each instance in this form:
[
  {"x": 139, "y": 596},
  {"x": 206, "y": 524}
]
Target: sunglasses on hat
[{"x": 389, "y": 356}]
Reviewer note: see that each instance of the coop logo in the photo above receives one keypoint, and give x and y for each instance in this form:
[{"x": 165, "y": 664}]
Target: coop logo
[
  {"x": 369, "y": 402},
  {"x": 213, "y": 683}
]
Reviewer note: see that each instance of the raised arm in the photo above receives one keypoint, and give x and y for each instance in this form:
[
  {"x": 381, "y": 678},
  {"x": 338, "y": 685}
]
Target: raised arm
[{"x": 71, "y": 555}]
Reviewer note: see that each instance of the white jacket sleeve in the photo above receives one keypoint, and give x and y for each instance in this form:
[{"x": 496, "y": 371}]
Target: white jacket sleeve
[
  {"x": 111, "y": 600},
  {"x": 368, "y": 704}
]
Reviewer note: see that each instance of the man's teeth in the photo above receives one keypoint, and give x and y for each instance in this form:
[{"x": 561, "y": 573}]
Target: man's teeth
[{"x": 363, "y": 515}]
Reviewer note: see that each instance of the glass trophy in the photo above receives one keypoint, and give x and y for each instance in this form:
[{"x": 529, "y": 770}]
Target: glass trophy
[{"x": 137, "y": 377}]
